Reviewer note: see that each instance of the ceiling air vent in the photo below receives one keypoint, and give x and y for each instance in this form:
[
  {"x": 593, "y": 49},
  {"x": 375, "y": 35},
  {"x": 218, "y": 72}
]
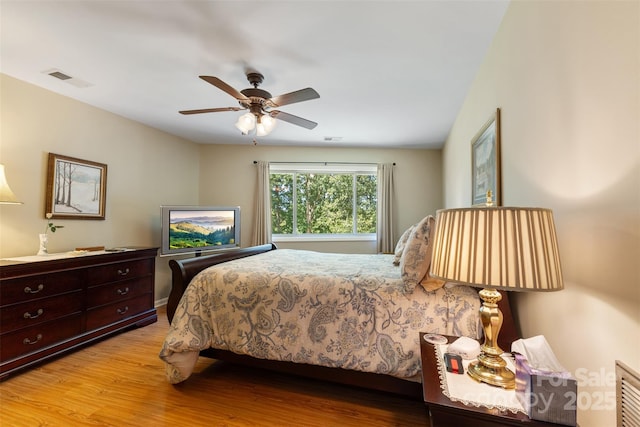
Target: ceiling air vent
[
  {"x": 59, "y": 75},
  {"x": 54, "y": 72},
  {"x": 333, "y": 138}
]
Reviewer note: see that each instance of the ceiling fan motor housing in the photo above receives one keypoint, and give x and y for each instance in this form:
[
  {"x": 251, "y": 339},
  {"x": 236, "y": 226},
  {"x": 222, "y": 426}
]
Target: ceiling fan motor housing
[
  {"x": 257, "y": 97},
  {"x": 255, "y": 93}
]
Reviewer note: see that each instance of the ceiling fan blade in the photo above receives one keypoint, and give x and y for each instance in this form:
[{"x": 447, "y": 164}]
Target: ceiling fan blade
[
  {"x": 299, "y": 121},
  {"x": 210, "y": 110},
  {"x": 224, "y": 87},
  {"x": 293, "y": 97}
]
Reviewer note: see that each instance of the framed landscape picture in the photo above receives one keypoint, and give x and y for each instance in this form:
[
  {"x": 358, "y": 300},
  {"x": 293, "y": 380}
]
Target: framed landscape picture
[
  {"x": 485, "y": 163},
  {"x": 76, "y": 189}
]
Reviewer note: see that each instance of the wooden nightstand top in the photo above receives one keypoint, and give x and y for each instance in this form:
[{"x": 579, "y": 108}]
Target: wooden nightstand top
[{"x": 445, "y": 412}]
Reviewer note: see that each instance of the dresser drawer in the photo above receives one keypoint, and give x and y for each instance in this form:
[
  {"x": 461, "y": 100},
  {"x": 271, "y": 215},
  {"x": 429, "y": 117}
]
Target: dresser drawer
[
  {"x": 24, "y": 289},
  {"x": 121, "y": 310},
  {"x": 119, "y": 271},
  {"x": 118, "y": 291},
  {"x": 24, "y": 341},
  {"x": 42, "y": 310}
]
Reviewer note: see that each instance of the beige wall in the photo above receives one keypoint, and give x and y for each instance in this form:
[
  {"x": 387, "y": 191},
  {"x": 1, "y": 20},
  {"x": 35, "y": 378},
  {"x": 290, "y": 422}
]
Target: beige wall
[
  {"x": 146, "y": 168},
  {"x": 228, "y": 177},
  {"x": 566, "y": 76}
]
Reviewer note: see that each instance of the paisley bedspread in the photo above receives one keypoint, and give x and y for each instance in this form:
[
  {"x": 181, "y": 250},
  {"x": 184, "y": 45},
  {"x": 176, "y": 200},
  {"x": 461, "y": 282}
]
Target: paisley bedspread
[{"x": 347, "y": 311}]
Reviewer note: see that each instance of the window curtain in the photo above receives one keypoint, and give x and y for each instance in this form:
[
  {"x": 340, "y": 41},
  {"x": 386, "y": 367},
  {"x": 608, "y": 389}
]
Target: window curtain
[
  {"x": 385, "y": 238},
  {"x": 262, "y": 207}
]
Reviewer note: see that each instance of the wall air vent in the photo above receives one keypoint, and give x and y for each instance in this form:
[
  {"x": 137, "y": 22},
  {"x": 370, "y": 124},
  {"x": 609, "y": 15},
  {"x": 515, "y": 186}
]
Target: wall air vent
[
  {"x": 627, "y": 396},
  {"x": 54, "y": 72}
]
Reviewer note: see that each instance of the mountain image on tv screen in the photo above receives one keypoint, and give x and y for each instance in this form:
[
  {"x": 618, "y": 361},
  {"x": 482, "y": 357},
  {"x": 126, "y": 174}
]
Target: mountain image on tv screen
[{"x": 196, "y": 229}]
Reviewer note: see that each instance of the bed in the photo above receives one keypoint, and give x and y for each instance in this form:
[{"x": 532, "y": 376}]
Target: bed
[{"x": 356, "y": 322}]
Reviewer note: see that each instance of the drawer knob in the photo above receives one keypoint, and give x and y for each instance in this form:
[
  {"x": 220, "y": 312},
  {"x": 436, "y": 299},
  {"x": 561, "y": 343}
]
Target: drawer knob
[
  {"x": 123, "y": 310},
  {"x": 28, "y": 315},
  {"x": 123, "y": 272},
  {"x": 29, "y": 342},
  {"x": 28, "y": 289},
  {"x": 122, "y": 291}
]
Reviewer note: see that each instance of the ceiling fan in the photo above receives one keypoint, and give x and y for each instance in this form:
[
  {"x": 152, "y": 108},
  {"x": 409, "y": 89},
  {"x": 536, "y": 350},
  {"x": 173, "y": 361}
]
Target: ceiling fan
[{"x": 260, "y": 104}]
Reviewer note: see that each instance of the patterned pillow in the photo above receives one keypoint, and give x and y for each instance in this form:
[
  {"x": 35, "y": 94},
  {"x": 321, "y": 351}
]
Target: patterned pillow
[
  {"x": 416, "y": 257},
  {"x": 431, "y": 283},
  {"x": 402, "y": 242}
]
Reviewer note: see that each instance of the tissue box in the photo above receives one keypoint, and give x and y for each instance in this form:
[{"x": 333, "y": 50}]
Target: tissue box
[{"x": 546, "y": 396}]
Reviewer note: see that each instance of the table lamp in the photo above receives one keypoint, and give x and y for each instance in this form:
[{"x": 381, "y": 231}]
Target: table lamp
[
  {"x": 6, "y": 195},
  {"x": 496, "y": 248}
]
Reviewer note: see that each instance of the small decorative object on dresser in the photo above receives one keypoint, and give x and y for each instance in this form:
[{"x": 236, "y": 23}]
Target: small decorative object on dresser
[
  {"x": 44, "y": 238},
  {"x": 51, "y": 307}
]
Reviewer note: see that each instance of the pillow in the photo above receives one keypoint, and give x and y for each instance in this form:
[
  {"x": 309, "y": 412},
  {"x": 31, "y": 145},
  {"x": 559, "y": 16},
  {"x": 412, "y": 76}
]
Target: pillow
[
  {"x": 402, "y": 242},
  {"x": 431, "y": 283},
  {"x": 416, "y": 257}
]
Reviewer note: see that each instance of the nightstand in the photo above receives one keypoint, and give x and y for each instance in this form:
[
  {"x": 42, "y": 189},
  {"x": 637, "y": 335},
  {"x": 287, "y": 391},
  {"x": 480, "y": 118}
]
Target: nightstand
[{"x": 444, "y": 412}]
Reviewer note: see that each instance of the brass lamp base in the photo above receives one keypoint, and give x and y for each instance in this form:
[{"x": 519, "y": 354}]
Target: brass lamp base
[
  {"x": 487, "y": 372},
  {"x": 490, "y": 368}
]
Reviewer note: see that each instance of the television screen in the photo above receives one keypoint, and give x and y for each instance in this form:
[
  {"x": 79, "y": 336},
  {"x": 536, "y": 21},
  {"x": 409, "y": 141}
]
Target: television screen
[{"x": 199, "y": 228}]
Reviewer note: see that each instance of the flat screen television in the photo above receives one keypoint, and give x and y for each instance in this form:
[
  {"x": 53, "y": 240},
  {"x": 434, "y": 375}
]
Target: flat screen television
[{"x": 196, "y": 229}]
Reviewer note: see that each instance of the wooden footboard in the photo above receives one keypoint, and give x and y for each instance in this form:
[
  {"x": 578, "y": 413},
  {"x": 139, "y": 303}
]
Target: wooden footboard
[{"x": 184, "y": 270}]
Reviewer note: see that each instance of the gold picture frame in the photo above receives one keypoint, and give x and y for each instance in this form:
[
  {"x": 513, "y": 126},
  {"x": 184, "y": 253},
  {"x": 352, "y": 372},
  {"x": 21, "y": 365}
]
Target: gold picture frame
[
  {"x": 485, "y": 163},
  {"x": 76, "y": 188}
]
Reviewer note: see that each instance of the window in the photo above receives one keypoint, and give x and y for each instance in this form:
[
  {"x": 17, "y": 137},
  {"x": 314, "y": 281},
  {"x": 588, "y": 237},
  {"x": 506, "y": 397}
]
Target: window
[{"x": 328, "y": 201}]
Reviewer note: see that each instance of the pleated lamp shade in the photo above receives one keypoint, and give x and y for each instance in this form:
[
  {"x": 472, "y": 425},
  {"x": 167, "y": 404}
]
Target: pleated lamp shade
[{"x": 507, "y": 248}]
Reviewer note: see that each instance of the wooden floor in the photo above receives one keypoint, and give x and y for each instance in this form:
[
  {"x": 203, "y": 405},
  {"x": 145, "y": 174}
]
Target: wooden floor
[{"x": 120, "y": 382}]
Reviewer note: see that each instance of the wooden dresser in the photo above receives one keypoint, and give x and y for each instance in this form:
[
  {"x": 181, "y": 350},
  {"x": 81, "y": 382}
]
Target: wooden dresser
[{"x": 53, "y": 306}]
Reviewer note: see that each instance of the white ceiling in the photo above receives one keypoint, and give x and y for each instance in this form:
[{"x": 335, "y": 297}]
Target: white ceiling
[{"x": 389, "y": 73}]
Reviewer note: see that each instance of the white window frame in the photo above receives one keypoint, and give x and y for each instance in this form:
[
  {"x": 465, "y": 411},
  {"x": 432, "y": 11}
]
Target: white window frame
[{"x": 324, "y": 168}]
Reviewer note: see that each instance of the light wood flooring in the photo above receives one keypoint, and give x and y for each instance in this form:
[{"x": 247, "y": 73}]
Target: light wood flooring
[{"x": 121, "y": 382}]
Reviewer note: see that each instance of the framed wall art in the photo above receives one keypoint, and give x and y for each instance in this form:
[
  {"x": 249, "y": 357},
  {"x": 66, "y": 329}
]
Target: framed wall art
[
  {"x": 76, "y": 189},
  {"x": 485, "y": 163}
]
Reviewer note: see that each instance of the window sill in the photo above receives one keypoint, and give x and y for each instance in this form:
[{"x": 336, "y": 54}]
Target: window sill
[{"x": 325, "y": 238}]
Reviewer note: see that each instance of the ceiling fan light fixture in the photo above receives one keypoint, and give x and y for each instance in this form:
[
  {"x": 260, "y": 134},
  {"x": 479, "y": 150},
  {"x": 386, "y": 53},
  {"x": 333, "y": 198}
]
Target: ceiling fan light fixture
[
  {"x": 265, "y": 125},
  {"x": 260, "y": 130},
  {"x": 246, "y": 123}
]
